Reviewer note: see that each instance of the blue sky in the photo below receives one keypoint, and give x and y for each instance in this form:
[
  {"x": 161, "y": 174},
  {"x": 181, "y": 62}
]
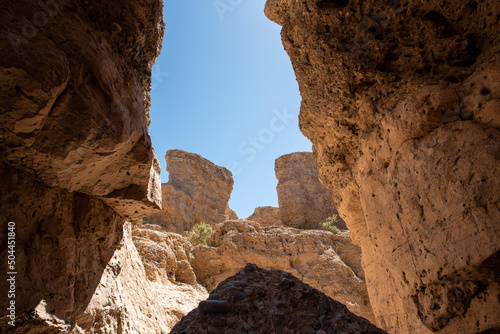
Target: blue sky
[{"x": 223, "y": 87}]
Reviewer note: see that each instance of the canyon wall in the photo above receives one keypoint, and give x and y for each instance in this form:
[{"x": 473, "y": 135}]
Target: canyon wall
[
  {"x": 326, "y": 261},
  {"x": 303, "y": 201},
  {"x": 197, "y": 191},
  {"x": 401, "y": 101},
  {"x": 75, "y": 154}
]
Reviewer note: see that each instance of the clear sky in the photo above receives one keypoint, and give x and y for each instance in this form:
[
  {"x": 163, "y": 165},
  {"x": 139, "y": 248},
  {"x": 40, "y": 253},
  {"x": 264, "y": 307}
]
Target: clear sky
[{"x": 223, "y": 87}]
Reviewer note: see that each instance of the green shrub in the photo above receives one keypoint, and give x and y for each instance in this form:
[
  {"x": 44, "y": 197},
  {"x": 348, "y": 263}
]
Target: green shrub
[
  {"x": 200, "y": 233},
  {"x": 329, "y": 224}
]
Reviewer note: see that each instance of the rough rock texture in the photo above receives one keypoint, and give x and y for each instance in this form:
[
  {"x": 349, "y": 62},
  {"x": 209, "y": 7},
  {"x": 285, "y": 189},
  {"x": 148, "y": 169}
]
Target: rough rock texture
[
  {"x": 197, "y": 190},
  {"x": 166, "y": 255},
  {"x": 266, "y": 216},
  {"x": 56, "y": 231},
  {"x": 230, "y": 214},
  {"x": 130, "y": 299},
  {"x": 303, "y": 201},
  {"x": 270, "y": 301},
  {"x": 401, "y": 101},
  {"x": 126, "y": 300},
  {"x": 75, "y": 155},
  {"x": 327, "y": 262},
  {"x": 73, "y": 94}
]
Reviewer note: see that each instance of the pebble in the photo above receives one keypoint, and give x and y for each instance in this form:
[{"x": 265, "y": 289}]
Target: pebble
[
  {"x": 308, "y": 330},
  {"x": 237, "y": 295},
  {"x": 248, "y": 292},
  {"x": 250, "y": 267},
  {"x": 214, "y": 296},
  {"x": 214, "y": 306},
  {"x": 320, "y": 331}
]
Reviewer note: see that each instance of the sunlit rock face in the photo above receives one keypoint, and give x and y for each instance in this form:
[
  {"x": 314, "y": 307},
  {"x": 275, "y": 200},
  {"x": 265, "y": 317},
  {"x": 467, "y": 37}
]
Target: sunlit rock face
[
  {"x": 266, "y": 216},
  {"x": 303, "y": 201},
  {"x": 197, "y": 191},
  {"x": 401, "y": 101},
  {"x": 75, "y": 154},
  {"x": 326, "y": 261}
]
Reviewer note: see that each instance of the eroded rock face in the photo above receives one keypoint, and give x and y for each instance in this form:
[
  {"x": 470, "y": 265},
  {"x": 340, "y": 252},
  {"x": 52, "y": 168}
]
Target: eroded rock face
[
  {"x": 266, "y": 216},
  {"x": 270, "y": 301},
  {"x": 401, "y": 101},
  {"x": 197, "y": 191},
  {"x": 303, "y": 201},
  {"x": 327, "y": 262},
  {"x": 55, "y": 231},
  {"x": 75, "y": 93},
  {"x": 75, "y": 155},
  {"x": 130, "y": 299},
  {"x": 165, "y": 255}
]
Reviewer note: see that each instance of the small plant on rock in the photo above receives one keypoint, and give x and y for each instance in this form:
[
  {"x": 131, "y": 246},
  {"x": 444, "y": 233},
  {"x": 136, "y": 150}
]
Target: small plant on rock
[
  {"x": 200, "y": 233},
  {"x": 329, "y": 224}
]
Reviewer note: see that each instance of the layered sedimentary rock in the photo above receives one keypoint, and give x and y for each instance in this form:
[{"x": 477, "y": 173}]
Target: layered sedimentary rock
[
  {"x": 75, "y": 154},
  {"x": 197, "y": 191},
  {"x": 266, "y": 216},
  {"x": 270, "y": 301},
  {"x": 327, "y": 262},
  {"x": 303, "y": 201},
  {"x": 401, "y": 101}
]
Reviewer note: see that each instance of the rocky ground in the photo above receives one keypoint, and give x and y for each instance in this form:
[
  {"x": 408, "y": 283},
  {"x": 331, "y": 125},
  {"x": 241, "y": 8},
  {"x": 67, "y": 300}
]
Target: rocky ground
[
  {"x": 257, "y": 300},
  {"x": 325, "y": 261}
]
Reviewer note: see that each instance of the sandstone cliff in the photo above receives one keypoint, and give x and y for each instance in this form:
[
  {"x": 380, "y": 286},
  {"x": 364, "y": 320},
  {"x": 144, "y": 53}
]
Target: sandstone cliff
[
  {"x": 197, "y": 190},
  {"x": 401, "y": 101},
  {"x": 131, "y": 297},
  {"x": 266, "y": 216},
  {"x": 134, "y": 294},
  {"x": 327, "y": 262},
  {"x": 303, "y": 201},
  {"x": 270, "y": 301},
  {"x": 75, "y": 156}
]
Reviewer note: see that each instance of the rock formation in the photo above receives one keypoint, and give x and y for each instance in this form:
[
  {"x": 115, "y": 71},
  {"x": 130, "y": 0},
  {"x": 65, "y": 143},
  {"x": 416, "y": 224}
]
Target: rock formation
[
  {"x": 401, "y": 101},
  {"x": 327, "y": 262},
  {"x": 129, "y": 298},
  {"x": 166, "y": 256},
  {"x": 303, "y": 201},
  {"x": 135, "y": 295},
  {"x": 230, "y": 214},
  {"x": 270, "y": 301},
  {"x": 197, "y": 190},
  {"x": 266, "y": 216},
  {"x": 75, "y": 156}
]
